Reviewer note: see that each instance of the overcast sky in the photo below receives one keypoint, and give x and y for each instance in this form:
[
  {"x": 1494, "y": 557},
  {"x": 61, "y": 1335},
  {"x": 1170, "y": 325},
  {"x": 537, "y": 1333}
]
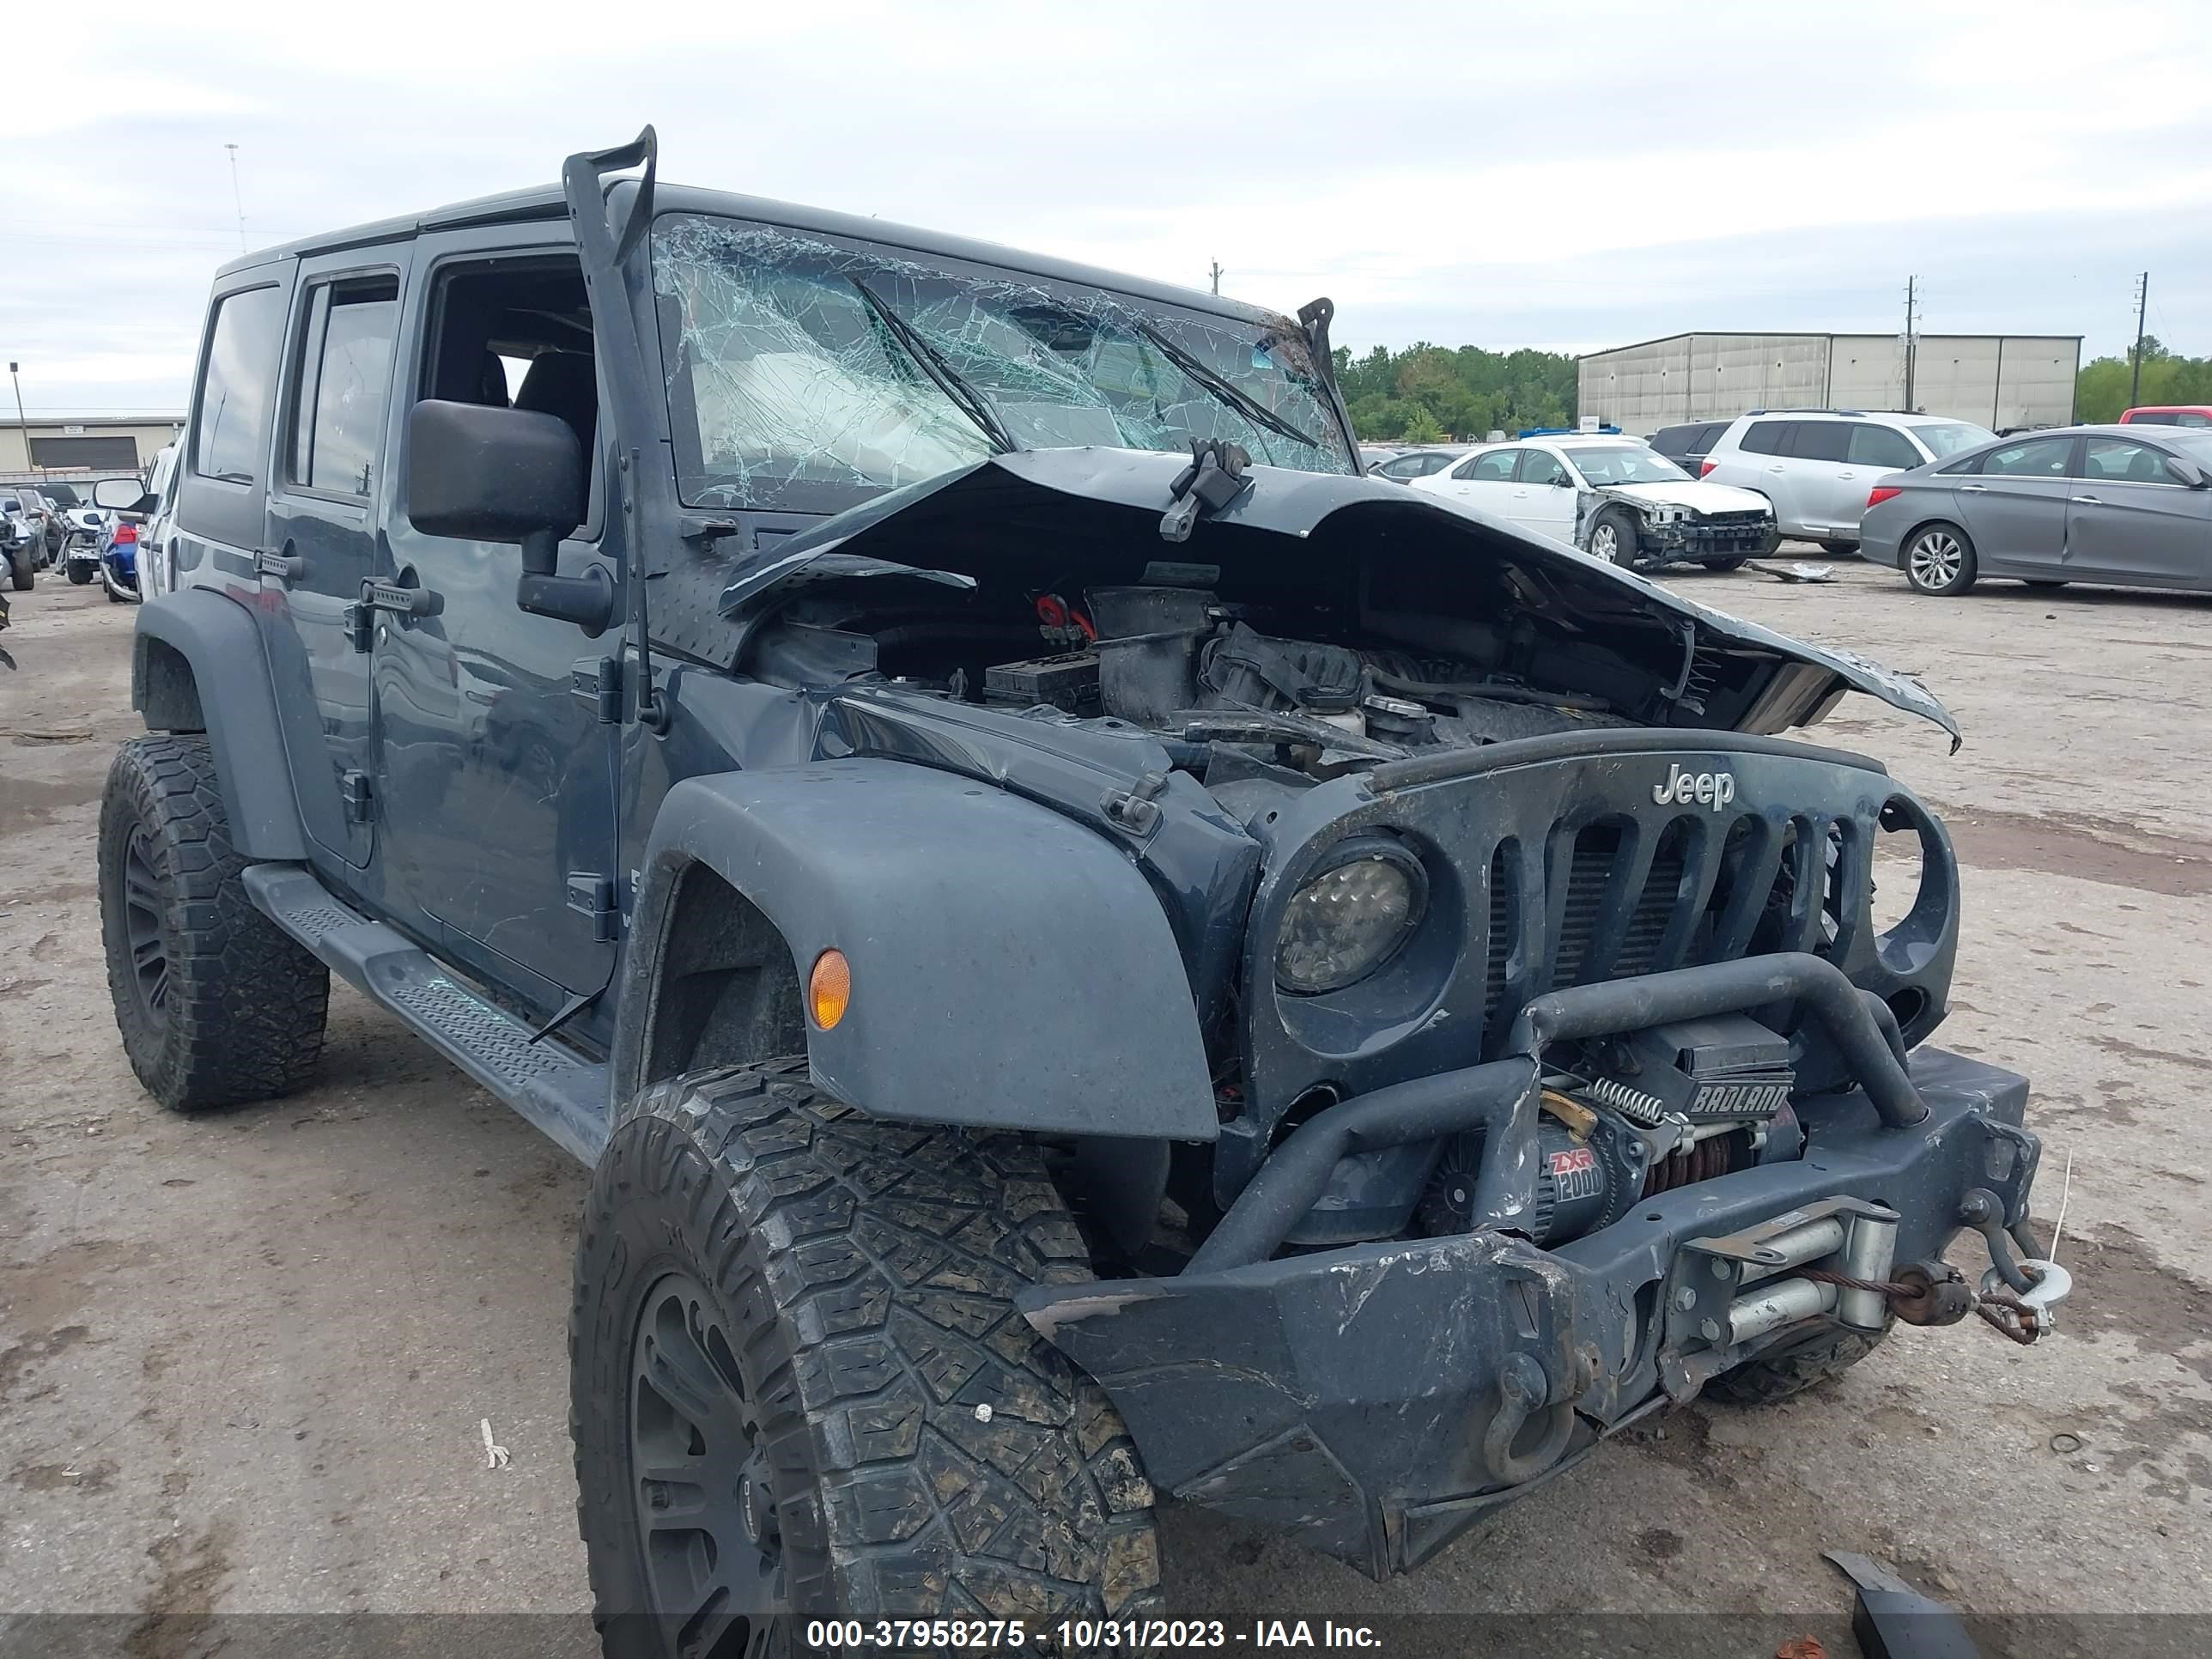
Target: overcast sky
[{"x": 1495, "y": 174}]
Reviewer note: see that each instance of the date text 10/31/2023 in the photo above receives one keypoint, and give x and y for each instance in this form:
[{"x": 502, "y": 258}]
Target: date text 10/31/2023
[{"x": 854, "y": 1636}]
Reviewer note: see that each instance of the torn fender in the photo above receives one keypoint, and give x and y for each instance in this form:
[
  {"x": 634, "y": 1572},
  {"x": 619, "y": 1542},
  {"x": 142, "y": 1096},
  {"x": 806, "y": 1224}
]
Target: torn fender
[{"x": 1011, "y": 969}]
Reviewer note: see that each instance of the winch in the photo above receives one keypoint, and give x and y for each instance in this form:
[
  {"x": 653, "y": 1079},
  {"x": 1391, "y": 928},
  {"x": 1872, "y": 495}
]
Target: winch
[{"x": 1642, "y": 1112}]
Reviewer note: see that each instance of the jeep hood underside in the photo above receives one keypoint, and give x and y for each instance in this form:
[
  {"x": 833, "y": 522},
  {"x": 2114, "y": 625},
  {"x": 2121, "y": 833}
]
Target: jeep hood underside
[{"x": 1363, "y": 559}]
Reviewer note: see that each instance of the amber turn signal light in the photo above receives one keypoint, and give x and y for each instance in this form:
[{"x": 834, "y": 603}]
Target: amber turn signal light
[{"x": 829, "y": 988}]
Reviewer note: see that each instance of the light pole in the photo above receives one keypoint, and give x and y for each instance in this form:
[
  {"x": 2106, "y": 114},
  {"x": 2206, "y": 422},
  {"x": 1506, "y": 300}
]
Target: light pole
[{"x": 23, "y": 424}]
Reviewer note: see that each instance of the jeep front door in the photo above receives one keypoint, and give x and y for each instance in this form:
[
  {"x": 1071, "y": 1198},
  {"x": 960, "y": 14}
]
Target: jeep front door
[{"x": 495, "y": 777}]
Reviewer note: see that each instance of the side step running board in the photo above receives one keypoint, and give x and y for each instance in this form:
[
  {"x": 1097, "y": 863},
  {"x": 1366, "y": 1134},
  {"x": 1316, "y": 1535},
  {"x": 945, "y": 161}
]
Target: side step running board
[{"x": 563, "y": 1095}]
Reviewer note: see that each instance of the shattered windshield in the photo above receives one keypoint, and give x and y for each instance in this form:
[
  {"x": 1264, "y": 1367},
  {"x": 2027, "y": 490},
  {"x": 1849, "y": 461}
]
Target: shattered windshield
[{"x": 806, "y": 374}]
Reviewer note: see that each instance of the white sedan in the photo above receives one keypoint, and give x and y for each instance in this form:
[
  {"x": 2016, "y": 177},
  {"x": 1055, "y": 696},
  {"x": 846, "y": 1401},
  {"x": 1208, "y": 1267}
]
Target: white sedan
[{"x": 1616, "y": 499}]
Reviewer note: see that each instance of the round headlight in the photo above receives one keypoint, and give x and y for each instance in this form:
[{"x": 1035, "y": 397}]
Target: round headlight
[{"x": 1349, "y": 920}]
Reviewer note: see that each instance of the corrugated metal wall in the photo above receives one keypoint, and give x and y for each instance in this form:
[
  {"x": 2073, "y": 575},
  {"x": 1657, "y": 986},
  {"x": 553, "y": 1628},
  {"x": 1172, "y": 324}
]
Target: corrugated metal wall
[{"x": 1996, "y": 380}]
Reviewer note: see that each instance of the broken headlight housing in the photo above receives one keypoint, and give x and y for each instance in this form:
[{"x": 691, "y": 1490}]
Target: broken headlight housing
[{"x": 1353, "y": 915}]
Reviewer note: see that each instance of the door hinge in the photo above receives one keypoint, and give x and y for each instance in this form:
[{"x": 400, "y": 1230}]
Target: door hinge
[
  {"x": 361, "y": 626},
  {"x": 598, "y": 681},
  {"x": 593, "y": 895},
  {"x": 360, "y": 801}
]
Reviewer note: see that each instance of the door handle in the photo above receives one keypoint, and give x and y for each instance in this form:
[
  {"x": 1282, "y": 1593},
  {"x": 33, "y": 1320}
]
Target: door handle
[
  {"x": 1974, "y": 489},
  {"x": 1847, "y": 475},
  {"x": 2086, "y": 501},
  {"x": 285, "y": 567},
  {"x": 1774, "y": 469}
]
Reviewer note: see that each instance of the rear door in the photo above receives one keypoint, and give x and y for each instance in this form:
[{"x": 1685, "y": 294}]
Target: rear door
[
  {"x": 2014, "y": 508},
  {"x": 1544, "y": 495},
  {"x": 1871, "y": 452},
  {"x": 328, "y": 467},
  {"x": 1822, "y": 478},
  {"x": 2129, "y": 518},
  {"x": 1766, "y": 449},
  {"x": 1484, "y": 481}
]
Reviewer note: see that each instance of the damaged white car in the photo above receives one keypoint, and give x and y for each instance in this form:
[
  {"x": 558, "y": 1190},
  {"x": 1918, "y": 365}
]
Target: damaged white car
[{"x": 1616, "y": 499}]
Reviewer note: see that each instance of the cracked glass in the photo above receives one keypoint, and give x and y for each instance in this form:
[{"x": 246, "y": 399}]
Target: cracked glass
[{"x": 807, "y": 374}]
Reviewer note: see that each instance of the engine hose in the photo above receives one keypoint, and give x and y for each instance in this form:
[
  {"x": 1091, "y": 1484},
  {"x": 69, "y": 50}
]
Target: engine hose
[{"x": 1523, "y": 1386}]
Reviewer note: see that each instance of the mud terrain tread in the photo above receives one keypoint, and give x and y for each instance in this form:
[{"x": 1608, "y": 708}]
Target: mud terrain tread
[
  {"x": 889, "y": 1256},
  {"x": 1777, "y": 1377},
  {"x": 247, "y": 1004}
]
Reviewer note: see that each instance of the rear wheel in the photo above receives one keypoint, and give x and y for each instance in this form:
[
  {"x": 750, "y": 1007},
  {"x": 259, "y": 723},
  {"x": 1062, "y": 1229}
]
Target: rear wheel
[
  {"x": 215, "y": 1003},
  {"x": 20, "y": 569},
  {"x": 1723, "y": 566},
  {"x": 800, "y": 1389},
  {"x": 79, "y": 574},
  {"x": 1839, "y": 549},
  {"x": 1939, "y": 559}
]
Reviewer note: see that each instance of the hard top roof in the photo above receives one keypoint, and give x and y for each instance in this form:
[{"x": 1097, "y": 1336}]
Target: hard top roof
[{"x": 545, "y": 202}]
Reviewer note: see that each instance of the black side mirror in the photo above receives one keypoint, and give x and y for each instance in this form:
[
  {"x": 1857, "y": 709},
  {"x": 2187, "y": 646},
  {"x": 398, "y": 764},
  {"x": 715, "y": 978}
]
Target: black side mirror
[
  {"x": 1561, "y": 481},
  {"x": 482, "y": 474}
]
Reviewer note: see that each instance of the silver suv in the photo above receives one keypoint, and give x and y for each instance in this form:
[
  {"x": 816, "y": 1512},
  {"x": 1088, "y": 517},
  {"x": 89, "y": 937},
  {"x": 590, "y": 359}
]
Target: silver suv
[{"x": 1817, "y": 464}]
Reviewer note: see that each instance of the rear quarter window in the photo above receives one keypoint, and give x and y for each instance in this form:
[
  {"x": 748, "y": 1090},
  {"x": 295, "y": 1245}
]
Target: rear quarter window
[
  {"x": 1881, "y": 446},
  {"x": 1765, "y": 438},
  {"x": 230, "y": 437}
]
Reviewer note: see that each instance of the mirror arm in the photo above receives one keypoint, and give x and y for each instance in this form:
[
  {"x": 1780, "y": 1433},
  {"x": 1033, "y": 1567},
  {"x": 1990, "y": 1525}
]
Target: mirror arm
[{"x": 587, "y": 600}]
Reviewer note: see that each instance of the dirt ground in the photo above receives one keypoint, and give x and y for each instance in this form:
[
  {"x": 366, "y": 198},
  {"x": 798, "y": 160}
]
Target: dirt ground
[{"x": 244, "y": 1357}]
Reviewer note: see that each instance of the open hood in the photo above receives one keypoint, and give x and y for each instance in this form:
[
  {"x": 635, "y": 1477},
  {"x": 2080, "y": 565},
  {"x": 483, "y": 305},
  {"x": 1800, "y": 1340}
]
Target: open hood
[{"x": 1385, "y": 562}]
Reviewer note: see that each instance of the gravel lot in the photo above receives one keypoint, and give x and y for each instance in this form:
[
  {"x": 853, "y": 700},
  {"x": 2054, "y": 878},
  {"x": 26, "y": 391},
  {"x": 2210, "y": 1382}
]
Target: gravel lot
[{"x": 243, "y": 1356}]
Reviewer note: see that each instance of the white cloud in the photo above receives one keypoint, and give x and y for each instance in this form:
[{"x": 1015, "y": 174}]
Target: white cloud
[{"x": 1463, "y": 173}]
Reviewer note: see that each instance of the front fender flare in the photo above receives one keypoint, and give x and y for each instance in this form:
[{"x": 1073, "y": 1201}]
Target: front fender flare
[
  {"x": 231, "y": 698},
  {"x": 1010, "y": 968}
]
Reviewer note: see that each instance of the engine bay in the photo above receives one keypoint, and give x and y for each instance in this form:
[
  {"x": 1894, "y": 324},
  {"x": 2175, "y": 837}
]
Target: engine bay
[{"x": 1235, "y": 688}]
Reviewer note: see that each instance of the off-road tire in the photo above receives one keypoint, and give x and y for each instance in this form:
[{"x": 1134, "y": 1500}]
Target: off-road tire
[
  {"x": 21, "y": 570},
  {"x": 241, "y": 1016},
  {"x": 1778, "y": 1374},
  {"x": 867, "y": 1270}
]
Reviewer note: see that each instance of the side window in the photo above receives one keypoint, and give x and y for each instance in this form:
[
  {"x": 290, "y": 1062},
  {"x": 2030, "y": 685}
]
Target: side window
[
  {"x": 2039, "y": 458},
  {"x": 1823, "y": 440},
  {"x": 1765, "y": 438},
  {"x": 1492, "y": 466},
  {"x": 1432, "y": 463},
  {"x": 1881, "y": 446},
  {"x": 2116, "y": 460},
  {"x": 340, "y": 384},
  {"x": 1537, "y": 467},
  {"x": 229, "y": 436}
]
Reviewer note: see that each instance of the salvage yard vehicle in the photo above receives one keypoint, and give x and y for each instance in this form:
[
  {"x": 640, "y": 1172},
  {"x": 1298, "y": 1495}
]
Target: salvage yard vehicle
[
  {"x": 1817, "y": 464},
  {"x": 2129, "y": 505},
  {"x": 1617, "y": 499},
  {"x": 22, "y": 542},
  {"x": 1089, "y": 948}
]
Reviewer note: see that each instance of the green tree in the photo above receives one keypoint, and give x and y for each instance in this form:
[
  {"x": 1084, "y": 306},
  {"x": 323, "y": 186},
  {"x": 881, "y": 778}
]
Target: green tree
[
  {"x": 1426, "y": 392},
  {"x": 2100, "y": 390}
]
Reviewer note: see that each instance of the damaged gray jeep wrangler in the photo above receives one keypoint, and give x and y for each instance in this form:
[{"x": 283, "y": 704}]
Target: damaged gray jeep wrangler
[{"x": 1090, "y": 949}]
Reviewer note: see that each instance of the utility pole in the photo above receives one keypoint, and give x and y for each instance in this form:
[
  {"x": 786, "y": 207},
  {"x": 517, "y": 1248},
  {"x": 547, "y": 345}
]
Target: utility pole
[
  {"x": 2142, "y": 301},
  {"x": 1217, "y": 276},
  {"x": 237, "y": 199},
  {"x": 21, "y": 422},
  {"x": 1911, "y": 294}
]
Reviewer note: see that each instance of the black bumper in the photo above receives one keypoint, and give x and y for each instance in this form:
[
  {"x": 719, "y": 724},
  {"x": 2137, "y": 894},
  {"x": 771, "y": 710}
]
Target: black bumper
[{"x": 1364, "y": 1399}]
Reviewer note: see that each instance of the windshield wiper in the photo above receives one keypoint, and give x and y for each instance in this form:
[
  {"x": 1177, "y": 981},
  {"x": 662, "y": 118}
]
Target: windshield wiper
[
  {"x": 1251, "y": 408},
  {"x": 963, "y": 397}
]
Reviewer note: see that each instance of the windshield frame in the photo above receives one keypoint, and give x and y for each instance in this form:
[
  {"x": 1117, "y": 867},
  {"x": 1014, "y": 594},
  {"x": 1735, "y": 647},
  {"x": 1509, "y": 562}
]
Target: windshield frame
[{"x": 883, "y": 262}]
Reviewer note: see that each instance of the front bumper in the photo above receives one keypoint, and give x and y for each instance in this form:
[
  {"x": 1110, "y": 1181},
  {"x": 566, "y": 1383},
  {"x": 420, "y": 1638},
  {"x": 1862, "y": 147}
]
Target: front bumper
[{"x": 1365, "y": 1398}]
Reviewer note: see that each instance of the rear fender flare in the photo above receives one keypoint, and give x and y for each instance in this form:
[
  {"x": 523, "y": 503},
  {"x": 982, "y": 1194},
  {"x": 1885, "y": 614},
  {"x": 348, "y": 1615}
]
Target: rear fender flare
[
  {"x": 227, "y": 694},
  {"x": 1011, "y": 969}
]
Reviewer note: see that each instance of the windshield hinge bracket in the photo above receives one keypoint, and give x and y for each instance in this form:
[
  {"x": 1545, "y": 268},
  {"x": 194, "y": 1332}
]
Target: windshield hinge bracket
[{"x": 1214, "y": 478}]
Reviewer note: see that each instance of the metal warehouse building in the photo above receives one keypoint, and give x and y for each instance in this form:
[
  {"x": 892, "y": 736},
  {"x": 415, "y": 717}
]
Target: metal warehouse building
[{"x": 1995, "y": 379}]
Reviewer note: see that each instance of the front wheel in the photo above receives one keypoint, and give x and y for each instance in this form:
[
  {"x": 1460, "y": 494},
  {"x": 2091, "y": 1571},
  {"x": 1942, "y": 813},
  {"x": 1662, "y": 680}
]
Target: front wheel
[
  {"x": 1939, "y": 559},
  {"x": 800, "y": 1389},
  {"x": 1779, "y": 1373},
  {"x": 1613, "y": 538},
  {"x": 1721, "y": 567},
  {"x": 1839, "y": 549},
  {"x": 20, "y": 569}
]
